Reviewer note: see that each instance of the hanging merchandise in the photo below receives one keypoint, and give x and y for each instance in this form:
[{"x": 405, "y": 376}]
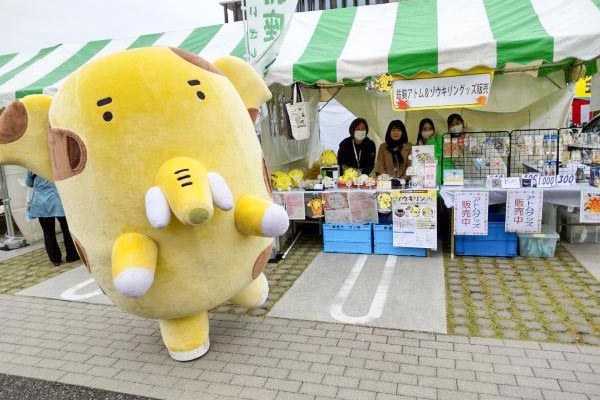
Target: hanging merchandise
[{"x": 297, "y": 115}]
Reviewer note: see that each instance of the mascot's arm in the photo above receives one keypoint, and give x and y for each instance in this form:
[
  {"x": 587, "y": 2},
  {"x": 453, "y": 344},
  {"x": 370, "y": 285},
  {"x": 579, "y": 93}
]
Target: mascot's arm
[
  {"x": 133, "y": 264},
  {"x": 24, "y": 135},
  {"x": 185, "y": 187},
  {"x": 250, "y": 86},
  {"x": 259, "y": 217}
]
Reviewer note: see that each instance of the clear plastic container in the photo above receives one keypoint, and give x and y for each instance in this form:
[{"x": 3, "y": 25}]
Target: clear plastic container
[{"x": 541, "y": 244}]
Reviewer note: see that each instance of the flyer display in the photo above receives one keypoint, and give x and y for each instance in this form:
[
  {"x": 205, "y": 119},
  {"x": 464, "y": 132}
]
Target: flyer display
[
  {"x": 471, "y": 213},
  {"x": 294, "y": 205},
  {"x": 337, "y": 209},
  {"x": 314, "y": 205},
  {"x": 524, "y": 211},
  {"x": 590, "y": 206},
  {"x": 415, "y": 218},
  {"x": 363, "y": 208}
]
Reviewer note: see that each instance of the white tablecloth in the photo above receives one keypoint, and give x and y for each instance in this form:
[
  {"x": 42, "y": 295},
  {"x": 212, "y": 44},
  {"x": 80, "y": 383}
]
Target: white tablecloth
[{"x": 561, "y": 195}]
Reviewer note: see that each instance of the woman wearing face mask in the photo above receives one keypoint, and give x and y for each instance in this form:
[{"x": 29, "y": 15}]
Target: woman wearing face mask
[
  {"x": 456, "y": 125},
  {"x": 392, "y": 158},
  {"x": 426, "y": 131},
  {"x": 357, "y": 150}
]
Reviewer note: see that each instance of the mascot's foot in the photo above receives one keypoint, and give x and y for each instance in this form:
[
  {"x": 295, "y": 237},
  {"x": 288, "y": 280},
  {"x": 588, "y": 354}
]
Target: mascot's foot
[
  {"x": 254, "y": 295},
  {"x": 186, "y": 338}
]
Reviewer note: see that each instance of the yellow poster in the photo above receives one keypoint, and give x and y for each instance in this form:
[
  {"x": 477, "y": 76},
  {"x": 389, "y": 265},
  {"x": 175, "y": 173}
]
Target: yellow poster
[{"x": 583, "y": 87}]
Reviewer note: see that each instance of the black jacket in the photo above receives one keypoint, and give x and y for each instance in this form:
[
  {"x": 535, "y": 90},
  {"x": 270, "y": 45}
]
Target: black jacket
[{"x": 347, "y": 157}]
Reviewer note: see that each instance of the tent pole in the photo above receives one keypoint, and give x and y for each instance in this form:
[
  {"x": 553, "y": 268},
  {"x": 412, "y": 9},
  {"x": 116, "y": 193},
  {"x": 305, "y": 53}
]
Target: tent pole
[{"x": 11, "y": 241}]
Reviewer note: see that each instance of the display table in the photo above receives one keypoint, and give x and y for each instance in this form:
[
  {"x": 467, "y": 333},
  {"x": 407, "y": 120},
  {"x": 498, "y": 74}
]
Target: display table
[{"x": 569, "y": 196}]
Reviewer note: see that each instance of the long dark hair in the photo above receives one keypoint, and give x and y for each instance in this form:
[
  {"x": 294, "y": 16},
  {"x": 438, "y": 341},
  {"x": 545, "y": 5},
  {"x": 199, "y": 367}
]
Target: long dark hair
[
  {"x": 395, "y": 146},
  {"x": 455, "y": 117},
  {"x": 355, "y": 123},
  {"x": 420, "y": 139}
]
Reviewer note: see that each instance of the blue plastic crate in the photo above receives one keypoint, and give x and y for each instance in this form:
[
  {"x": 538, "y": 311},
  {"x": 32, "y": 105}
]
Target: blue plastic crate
[
  {"x": 382, "y": 243},
  {"x": 347, "y": 238},
  {"x": 497, "y": 243}
]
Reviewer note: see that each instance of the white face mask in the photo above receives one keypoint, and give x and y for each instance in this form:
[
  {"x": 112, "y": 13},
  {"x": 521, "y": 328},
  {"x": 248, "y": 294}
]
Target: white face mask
[
  {"x": 456, "y": 129},
  {"x": 360, "y": 135},
  {"x": 427, "y": 134}
]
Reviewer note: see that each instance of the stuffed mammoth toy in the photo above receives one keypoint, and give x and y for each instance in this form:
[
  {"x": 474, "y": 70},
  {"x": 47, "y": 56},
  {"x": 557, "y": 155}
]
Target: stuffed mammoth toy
[{"x": 162, "y": 178}]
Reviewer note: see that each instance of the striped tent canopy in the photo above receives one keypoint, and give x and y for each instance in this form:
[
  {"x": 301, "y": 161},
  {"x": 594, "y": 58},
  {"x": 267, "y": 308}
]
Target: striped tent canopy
[
  {"x": 406, "y": 38},
  {"x": 409, "y": 37}
]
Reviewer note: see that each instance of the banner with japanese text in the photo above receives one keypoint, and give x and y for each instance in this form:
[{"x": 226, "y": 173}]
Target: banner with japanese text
[
  {"x": 267, "y": 22},
  {"x": 471, "y": 213},
  {"x": 441, "y": 92},
  {"x": 415, "y": 218},
  {"x": 524, "y": 211}
]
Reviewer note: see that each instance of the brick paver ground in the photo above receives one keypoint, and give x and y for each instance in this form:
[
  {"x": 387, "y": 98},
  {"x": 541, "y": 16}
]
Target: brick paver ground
[
  {"x": 555, "y": 300},
  {"x": 29, "y": 269},
  {"x": 267, "y": 358}
]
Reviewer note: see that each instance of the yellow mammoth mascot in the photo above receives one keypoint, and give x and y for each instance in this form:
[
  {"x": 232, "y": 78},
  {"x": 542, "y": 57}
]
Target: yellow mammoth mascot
[{"x": 161, "y": 175}]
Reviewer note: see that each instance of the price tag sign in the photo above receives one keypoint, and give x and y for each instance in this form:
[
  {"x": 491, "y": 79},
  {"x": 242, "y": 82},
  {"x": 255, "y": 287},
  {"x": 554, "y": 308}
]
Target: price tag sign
[
  {"x": 511, "y": 183},
  {"x": 532, "y": 177},
  {"x": 547, "y": 181},
  {"x": 494, "y": 180},
  {"x": 565, "y": 180}
]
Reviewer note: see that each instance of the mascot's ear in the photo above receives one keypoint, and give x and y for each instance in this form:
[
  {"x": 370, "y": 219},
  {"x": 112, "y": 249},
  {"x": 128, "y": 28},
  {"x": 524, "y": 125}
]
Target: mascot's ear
[
  {"x": 24, "y": 134},
  {"x": 248, "y": 83}
]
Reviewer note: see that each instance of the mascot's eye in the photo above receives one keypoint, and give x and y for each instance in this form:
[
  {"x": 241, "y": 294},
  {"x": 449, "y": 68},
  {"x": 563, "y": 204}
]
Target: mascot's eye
[
  {"x": 199, "y": 93},
  {"x": 107, "y": 116}
]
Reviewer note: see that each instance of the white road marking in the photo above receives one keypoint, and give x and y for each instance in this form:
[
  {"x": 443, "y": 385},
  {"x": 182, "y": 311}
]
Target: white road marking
[
  {"x": 70, "y": 293},
  {"x": 376, "y": 308}
]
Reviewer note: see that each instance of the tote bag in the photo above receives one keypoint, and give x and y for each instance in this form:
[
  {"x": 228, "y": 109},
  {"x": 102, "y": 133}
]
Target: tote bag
[{"x": 297, "y": 115}]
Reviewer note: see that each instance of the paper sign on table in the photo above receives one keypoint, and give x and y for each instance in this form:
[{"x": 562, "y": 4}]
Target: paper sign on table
[
  {"x": 294, "y": 205},
  {"x": 337, "y": 209},
  {"x": 524, "y": 211},
  {"x": 471, "y": 213},
  {"x": 590, "y": 206},
  {"x": 363, "y": 208},
  {"x": 415, "y": 219}
]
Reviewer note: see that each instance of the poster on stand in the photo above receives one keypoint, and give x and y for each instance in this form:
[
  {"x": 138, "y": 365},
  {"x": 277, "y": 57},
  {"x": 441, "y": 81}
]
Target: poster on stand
[
  {"x": 337, "y": 209},
  {"x": 471, "y": 213},
  {"x": 524, "y": 211},
  {"x": 422, "y": 155},
  {"x": 363, "y": 208},
  {"x": 590, "y": 206},
  {"x": 294, "y": 205},
  {"x": 415, "y": 218},
  {"x": 313, "y": 203}
]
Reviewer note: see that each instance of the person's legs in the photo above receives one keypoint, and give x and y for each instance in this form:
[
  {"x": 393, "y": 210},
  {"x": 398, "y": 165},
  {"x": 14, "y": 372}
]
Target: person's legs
[
  {"x": 50, "y": 242},
  {"x": 69, "y": 246}
]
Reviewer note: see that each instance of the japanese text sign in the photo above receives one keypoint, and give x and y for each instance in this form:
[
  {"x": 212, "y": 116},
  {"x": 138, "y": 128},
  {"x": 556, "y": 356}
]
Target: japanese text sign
[
  {"x": 471, "y": 213},
  {"x": 449, "y": 91},
  {"x": 415, "y": 218},
  {"x": 524, "y": 211},
  {"x": 267, "y": 22}
]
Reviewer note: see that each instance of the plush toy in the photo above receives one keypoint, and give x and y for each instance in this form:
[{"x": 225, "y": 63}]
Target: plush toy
[
  {"x": 162, "y": 180},
  {"x": 297, "y": 175},
  {"x": 328, "y": 158}
]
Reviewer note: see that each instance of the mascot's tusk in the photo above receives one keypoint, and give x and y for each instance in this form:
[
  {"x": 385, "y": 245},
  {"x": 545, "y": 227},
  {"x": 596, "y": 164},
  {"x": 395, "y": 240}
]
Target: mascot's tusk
[
  {"x": 157, "y": 208},
  {"x": 221, "y": 194}
]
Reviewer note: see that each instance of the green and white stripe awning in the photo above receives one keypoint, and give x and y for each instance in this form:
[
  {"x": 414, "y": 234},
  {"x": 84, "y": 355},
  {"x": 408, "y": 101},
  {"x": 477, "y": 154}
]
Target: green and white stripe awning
[
  {"x": 409, "y": 37},
  {"x": 405, "y": 38},
  {"x": 44, "y": 71}
]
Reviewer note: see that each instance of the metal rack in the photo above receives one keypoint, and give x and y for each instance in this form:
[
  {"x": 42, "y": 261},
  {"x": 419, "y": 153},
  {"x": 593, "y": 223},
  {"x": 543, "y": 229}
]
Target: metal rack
[
  {"x": 478, "y": 154},
  {"x": 534, "y": 150}
]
